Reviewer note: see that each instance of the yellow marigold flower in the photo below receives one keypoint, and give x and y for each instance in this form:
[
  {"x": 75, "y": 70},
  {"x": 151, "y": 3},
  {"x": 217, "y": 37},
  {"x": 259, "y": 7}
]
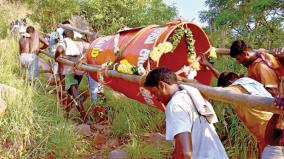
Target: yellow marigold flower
[
  {"x": 155, "y": 55},
  {"x": 195, "y": 65},
  {"x": 192, "y": 57},
  {"x": 124, "y": 61},
  {"x": 190, "y": 61},
  {"x": 125, "y": 67},
  {"x": 159, "y": 50},
  {"x": 212, "y": 52},
  {"x": 165, "y": 47},
  {"x": 168, "y": 46}
]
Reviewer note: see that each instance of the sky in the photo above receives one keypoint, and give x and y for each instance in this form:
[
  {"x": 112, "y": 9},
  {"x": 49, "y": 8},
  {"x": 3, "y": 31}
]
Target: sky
[{"x": 189, "y": 9}]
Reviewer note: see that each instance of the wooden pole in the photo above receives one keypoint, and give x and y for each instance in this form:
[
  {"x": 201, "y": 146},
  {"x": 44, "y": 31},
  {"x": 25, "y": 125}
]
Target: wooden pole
[
  {"x": 214, "y": 93},
  {"x": 77, "y": 30},
  {"x": 223, "y": 51},
  {"x": 231, "y": 97},
  {"x": 96, "y": 68}
]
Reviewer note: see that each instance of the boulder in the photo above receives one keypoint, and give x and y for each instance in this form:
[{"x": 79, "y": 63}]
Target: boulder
[
  {"x": 3, "y": 106},
  {"x": 84, "y": 130},
  {"x": 117, "y": 154}
]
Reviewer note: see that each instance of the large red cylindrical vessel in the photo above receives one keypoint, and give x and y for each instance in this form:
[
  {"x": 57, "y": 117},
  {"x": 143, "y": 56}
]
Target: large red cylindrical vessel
[{"x": 134, "y": 43}]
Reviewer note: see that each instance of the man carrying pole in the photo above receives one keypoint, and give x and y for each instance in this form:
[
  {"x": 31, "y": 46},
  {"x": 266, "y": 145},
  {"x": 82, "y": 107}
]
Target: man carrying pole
[
  {"x": 189, "y": 117},
  {"x": 69, "y": 50},
  {"x": 266, "y": 69}
]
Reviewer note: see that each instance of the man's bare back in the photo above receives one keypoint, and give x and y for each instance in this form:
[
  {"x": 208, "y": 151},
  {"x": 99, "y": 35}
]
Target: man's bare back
[
  {"x": 30, "y": 42},
  {"x": 24, "y": 45}
]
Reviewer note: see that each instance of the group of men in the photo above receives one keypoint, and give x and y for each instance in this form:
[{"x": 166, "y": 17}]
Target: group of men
[
  {"x": 190, "y": 117},
  {"x": 61, "y": 43}
]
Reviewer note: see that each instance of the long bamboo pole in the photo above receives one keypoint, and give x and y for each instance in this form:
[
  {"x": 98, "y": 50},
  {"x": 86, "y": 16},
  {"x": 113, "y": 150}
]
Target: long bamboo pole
[
  {"x": 231, "y": 97},
  {"x": 214, "y": 93},
  {"x": 96, "y": 68},
  {"x": 223, "y": 51},
  {"x": 77, "y": 30}
]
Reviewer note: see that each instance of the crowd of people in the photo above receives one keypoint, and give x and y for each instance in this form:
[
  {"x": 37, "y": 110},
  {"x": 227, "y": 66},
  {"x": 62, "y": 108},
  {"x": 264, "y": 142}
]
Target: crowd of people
[
  {"x": 189, "y": 116},
  {"x": 60, "y": 43}
]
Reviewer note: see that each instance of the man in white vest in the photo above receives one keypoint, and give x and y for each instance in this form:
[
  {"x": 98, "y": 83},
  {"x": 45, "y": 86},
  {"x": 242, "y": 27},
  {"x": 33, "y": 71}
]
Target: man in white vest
[{"x": 69, "y": 50}]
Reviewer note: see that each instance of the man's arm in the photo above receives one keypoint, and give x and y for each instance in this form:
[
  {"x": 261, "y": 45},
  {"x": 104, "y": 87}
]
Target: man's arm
[
  {"x": 20, "y": 48},
  {"x": 183, "y": 146},
  {"x": 279, "y": 101},
  {"x": 205, "y": 62},
  {"x": 44, "y": 42},
  {"x": 59, "y": 51},
  {"x": 268, "y": 78}
]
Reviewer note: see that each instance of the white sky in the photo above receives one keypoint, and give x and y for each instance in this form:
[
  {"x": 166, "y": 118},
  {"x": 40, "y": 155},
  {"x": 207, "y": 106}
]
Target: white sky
[{"x": 189, "y": 9}]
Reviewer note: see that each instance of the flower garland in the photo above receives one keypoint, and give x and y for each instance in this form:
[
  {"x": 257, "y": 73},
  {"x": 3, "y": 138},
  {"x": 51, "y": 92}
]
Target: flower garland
[
  {"x": 212, "y": 55},
  {"x": 191, "y": 54},
  {"x": 161, "y": 49},
  {"x": 125, "y": 67}
]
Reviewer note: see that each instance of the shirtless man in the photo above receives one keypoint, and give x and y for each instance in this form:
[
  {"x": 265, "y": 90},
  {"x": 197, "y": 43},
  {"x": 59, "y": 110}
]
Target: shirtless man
[{"x": 29, "y": 45}]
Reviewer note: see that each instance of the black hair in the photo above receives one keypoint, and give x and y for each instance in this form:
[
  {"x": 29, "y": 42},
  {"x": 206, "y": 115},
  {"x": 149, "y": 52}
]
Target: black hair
[
  {"x": 66, "y": 22},
  {"x": 30, "y": 29},
  {"x": 68, "y": 33},
  {"x": 238, "y": 47},
  {"x": 224, "y": 78},
  {"x": 160, "y": 74}
]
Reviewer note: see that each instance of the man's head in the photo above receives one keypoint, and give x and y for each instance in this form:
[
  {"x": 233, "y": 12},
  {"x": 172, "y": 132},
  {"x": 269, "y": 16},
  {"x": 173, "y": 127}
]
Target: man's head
[
  {"x": 68, "y": 34},
  {"x": 66, "y": 22},
  {"x": 226, "y": 78},
  {"x": 161, "y": 82},
  {"x": 30, "y": 29},
  {"x": 242, "y": 52}
]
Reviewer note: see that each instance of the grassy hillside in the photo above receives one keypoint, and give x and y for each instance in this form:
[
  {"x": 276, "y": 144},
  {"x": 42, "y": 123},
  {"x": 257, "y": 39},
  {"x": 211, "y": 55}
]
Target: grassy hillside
[{"x": 33, "y": 125}]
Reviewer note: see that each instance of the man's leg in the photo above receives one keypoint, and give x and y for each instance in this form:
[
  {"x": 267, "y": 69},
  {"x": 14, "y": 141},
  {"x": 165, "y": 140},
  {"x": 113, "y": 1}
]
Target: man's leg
[
  {"x": 31, "y": 71},
  {"x": 94, "y": 88},
  {"x": 33, "y": 68},
  {"x": 76, "y": 100}
]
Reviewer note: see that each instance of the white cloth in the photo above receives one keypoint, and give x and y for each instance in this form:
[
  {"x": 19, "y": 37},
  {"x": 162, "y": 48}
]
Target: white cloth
[
  {"x": 26, "y": 59},
  {"x": 181, "y": 116},
  {"x": 202, "y": 105},
  {"x": 70, "y": 47},
  {"x": 252, "y": 87},
  {"x": 72, "y": 52},
  {"x": 30, "y": 61},
  {"x": 273, "y": 152},
  {"x": 82, "y": 46},
  {"x": 60, "y": 33}
]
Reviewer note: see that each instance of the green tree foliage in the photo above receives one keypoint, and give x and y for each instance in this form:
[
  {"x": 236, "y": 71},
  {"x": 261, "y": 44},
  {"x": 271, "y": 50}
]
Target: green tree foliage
[
  {"x": 104, "y": 16},
  {"x": 7, "y": 16},
  {"x": 48, "y": 13},
  {"x": 109, "y": 16},
  {"x": 258, "y": 21}
]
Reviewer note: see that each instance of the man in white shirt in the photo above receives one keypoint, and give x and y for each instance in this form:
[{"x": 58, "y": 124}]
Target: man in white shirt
[
  {"x": 69, "y": 50},
  {"x": 195, "y": 137}
]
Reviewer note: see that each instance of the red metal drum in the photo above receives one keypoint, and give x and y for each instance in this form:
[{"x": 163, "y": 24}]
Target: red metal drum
[{"x": 135, "y": 46}]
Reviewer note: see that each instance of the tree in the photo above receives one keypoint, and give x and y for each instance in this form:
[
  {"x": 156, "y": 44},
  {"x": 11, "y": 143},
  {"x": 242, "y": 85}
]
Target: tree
[
  {"x": 258, "y": 21},
  {"x": 104, "y": 16},
  {"x": 109, "y": 16},
  {"x": 49, "y": 13}
]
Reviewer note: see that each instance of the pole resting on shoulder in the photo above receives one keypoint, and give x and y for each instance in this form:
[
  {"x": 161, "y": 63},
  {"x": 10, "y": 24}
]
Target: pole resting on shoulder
[{"x": 214, "y": 93}]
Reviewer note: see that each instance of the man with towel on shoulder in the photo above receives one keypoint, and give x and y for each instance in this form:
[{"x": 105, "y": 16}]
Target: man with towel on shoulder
[{"x": 189, "y": 117}]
